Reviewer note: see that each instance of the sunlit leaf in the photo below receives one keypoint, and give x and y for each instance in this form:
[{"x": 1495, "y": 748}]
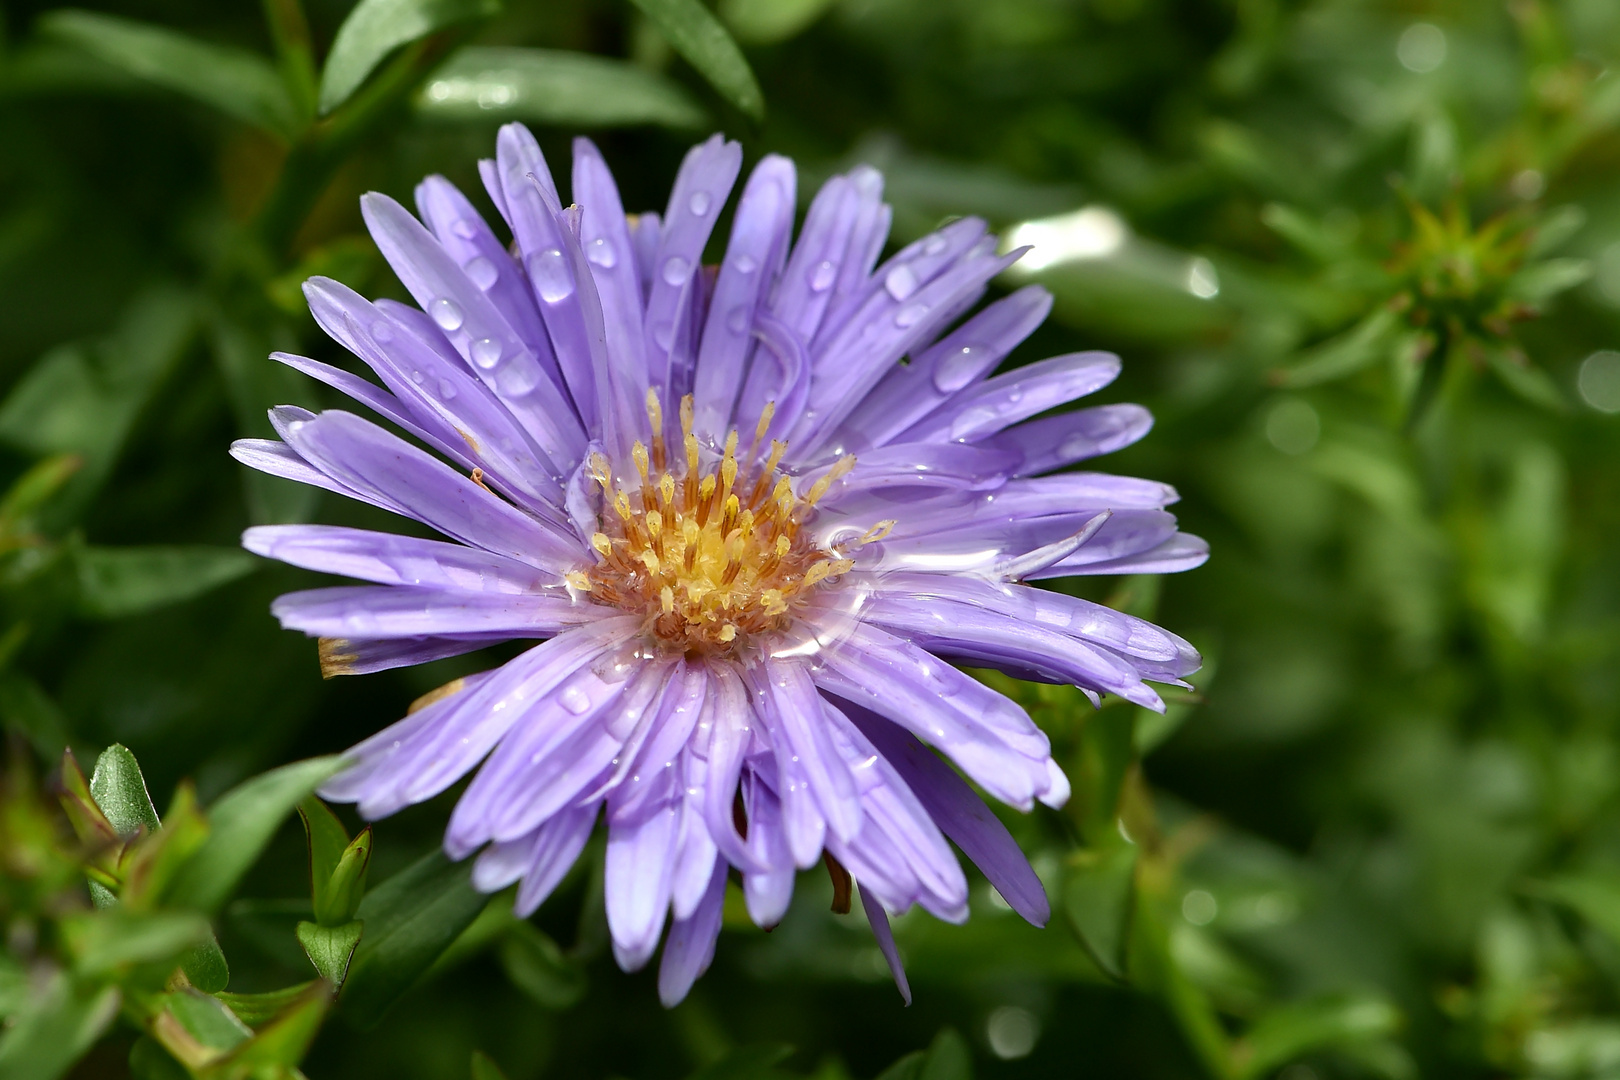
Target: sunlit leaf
[
  {"x": 698, "y": 36},
  {"x": 239, "y": 84},
  {"x": 1297, "y": 1028},
  {"x": 548, "y": 86},
  {"x": 376, "y": 28},
  {"x": 765, "y": 22}
]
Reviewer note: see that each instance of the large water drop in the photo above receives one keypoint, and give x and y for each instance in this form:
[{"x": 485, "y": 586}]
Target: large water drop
[
  {"x": 551, "y": 277},
  {"x": 486, "y": 352},
  {"x": 822, "y": 277},
  {"x": 956, "y": 369},
  {"x": 677, "y": 270},
  {"x": 900, "y": 282},
  {"x": 447, "y": 314},
  {"x": 600, "y": 253},
  {"x": 482, "y": 273}
]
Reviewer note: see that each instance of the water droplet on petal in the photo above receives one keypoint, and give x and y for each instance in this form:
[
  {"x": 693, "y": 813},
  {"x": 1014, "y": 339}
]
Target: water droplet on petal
[
  {"x": 664, "y": 335},
  {"x": 464, "y": 229},
  {"x": 486, "y": 352},
  {"x": 482, "y": 273},
  {"x": 382, "y": 332},
  {"x": 955, "y": 370},
  {"x": 447, "y": 314},
  {"x": 908, "y": 316},
  {"x": 575, "y": 700},
  {"x": 418, "y": 378},
  {"x": 737, "y": 321},
  {"x": 699, "y": 202},
  {"x": 516, "y": 380},
  {"x": 974, "y": 421},
  {"x": 551, "y": 276},
  {"x": 900, "y": 282},
  {"x": 600, "y": 253},
  {"x": 447, "y": 389},
  {"x": 677, "y": 270},
  {"x": 822, "y": 277},
  {"x": 744, "y": 264},
  {"x": 1075, "y": 446},
  {"x": 934, "y": 245}
]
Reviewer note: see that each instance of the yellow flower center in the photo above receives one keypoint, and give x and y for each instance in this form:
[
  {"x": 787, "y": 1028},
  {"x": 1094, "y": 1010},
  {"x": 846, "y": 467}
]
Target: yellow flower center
[{"x": 710, "y": 557}]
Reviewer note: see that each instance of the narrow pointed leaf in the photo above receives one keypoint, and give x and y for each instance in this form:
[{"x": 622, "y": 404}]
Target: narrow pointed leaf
[
  {"x": 410, "y": 920},
  {"x": 238, "y": 83},
  {"x": 698, "y": 36},
  {"x": 120, "y": 790},
  {"x": 549, "y": 86},
  {"x": 115, "y": 582},
  {"x": 242, "y": 823},
  {"x": 376, "y": 28}
]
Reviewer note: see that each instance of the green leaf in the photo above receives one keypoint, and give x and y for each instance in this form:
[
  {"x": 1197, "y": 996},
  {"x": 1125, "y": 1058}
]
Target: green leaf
[
  {"x": 410, "y": 919},
  {"x": 947, "y": 1058},
  {"x": 549, "y": 86},
  {"x": 766, "y": 22},
  {"x": 327, "y": 838},
  {"x": 1594, "y": 895},
  {"x": 538, "y": 967},
  {"x": 117, "y": 582},
  {"x": 340, "y": 898},
  {"x": 1107, "y": 751},
  {"x": 483, "y": 1068},
  {"x": 1540, "y": 282},
  {"x": 237, "y": 83},
  {"x": 34, "y": 489},
  {"x": 83, "y": 399},
  {"x": 1345, "y": 354},
  {"x": 60, "y": 1024},
  {"x": 1291, "y": 1030},
  {"x": 208, "y": 1020},
  {"x": 281, "y": 1044},
  {"x": 26, "y": 708},
  {"x": 698, "y": 36},
  {"x": 241, "y": 823},
  {"x": 120, "y": 791},
  {"x": 116, "y": 938},
  {"x": 330, "y": 948},
  {"x": 1098, "y": 896},
  {"x": 256, "y": 1009},
  {"x": 747, "y": 1063},
  {"x": 206, "y": 968},
  {"x": 376, "y": 28},
  {"x": 1527, "y": 381}
]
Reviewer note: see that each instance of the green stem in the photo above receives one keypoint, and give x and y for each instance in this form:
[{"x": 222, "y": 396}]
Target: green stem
[
  {"x": 289, "y": 30},
  {"x": 327, "y": 144}
]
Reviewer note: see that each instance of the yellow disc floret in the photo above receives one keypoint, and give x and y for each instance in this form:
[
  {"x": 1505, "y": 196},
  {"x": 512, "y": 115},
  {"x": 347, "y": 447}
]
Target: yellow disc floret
[{"x": 712, "y": 557}]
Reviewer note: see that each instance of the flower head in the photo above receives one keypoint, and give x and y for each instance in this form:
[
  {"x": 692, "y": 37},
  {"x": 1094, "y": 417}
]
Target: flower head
[{"x": 747, "y": 508}]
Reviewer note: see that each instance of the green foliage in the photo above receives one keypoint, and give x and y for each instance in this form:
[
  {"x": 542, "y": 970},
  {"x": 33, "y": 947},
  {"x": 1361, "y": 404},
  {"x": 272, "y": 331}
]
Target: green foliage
[{"x": 1362, "y": 260}]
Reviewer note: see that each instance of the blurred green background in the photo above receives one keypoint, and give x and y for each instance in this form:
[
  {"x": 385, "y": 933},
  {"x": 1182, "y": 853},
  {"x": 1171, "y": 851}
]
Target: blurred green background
[{"x": 1361, "y": 259}]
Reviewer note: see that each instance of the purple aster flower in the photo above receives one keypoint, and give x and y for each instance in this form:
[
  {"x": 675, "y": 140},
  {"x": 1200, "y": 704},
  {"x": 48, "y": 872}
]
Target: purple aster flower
[{"x": 747, "y": 510}]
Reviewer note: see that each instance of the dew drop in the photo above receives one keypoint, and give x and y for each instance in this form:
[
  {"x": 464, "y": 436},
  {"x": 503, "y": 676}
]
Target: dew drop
[
  {"x": 934, "y": 245},
  {"x": 955, "y": 370},
  {"x": 418, "y": 378},
  {"x": 676, "y": 270},
  {"x": 974, "y": 421},
  {"x": 486, "y": 352},
  {"x": 737, "y": 321},
  {"x": 900, "y": 282},
  {"x": 1075, "y": 446},
  {"x": 551, "y": 276},
  {"x": 447, "y": 389},
  {"x": 464, "y": 229},
  {"x": 664, "y": 335},
  {"x": 446, "y": 313},
  {"x": 482, "y": 273},
  {"x": 909, "y": 316},
  {"x": 699, "y": 203},
  {"x": 821, "y": 278},
  {"x": 600, "y": 253},
  {"x": 516, "y": 380},
  {"x": 575, "y": 700},
  {"x": 744, "y": 264},
  {"x": 382, "y": 332}
]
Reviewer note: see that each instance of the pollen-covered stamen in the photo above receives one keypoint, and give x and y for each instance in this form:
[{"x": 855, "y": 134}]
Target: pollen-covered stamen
[{"x": 710, "y": 557}]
